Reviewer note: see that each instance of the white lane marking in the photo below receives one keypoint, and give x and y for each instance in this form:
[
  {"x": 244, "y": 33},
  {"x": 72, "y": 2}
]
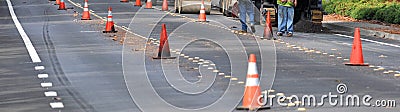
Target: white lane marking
[
  {"x": 50, "y": 93},
  {"x": 43, "y": 76},
  {"x": 39, "y": 68},
  {"x": 368, "y": 40},
  {"x": 46, "y": 84},
  {"x": 347, "y": 44},
  {"x": 28, "y": 44},
  {"x": 56, "y": 105},
  {"x": 89, "y": 31}
]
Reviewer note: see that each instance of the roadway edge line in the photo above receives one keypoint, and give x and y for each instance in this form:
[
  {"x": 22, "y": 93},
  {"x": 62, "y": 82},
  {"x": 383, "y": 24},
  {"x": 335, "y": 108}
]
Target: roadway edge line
[{"x": 28, "y": 44}]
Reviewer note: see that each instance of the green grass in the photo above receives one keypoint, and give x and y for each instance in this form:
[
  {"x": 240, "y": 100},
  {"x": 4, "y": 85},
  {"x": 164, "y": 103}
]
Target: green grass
[{"x": 365, "y": 9}]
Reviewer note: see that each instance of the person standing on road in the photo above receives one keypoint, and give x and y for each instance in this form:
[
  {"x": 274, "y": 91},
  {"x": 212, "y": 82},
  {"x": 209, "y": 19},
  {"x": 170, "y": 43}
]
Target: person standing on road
[
  {"x": 246, "y": 7},
  {"x": 285, "y": 16}
]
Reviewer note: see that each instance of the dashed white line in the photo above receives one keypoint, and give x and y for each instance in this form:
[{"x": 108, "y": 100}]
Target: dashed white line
[
  {"x": 50, "y": 93},
  {"x": 46, "y": 84},
  {"x": 39, "y": 68},
  {"x": 368, "y": 40},
  {"x": 43, "y": 76},
  {"x": 28, "y": 44},
  {"x": 57, "y": 105}
]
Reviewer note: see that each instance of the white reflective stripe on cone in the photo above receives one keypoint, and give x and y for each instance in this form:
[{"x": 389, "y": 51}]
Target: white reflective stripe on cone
[
  {"x": 252, "y": 68},
  {"x": 85, "y": 9},
  {"x": 252, "y": 82},
  {"x": 109, "y": 13}
]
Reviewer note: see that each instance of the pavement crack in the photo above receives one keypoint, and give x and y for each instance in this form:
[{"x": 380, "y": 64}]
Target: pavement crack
[{"x": 56, "y": 67}]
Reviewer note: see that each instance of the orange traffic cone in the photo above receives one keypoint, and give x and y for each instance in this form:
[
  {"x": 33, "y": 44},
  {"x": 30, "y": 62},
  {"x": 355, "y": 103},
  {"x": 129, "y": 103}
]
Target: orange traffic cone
[
  {"x": 163, "y": 48},
  {"x": 202, "y": 16},
  {"x": 268, "y": 28},
  {"x": 110, "y": 24},
  {"x": 356, "y": 57},
  {"x": 149, "y": 4},
  {"x": 124, "y": 1},
  {"x": 138, "y": 3},
  {"x": 62, "y": 5},
  {"x": 164, "y": 5},
  {"x": 58, "y": 2},
  {"x": 252, "y": 90},
  {"x": 85, "y": 14}
]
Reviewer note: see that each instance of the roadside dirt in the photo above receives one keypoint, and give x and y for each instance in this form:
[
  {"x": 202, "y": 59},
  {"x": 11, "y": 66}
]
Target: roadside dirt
[{"x": 391, "y": 28}]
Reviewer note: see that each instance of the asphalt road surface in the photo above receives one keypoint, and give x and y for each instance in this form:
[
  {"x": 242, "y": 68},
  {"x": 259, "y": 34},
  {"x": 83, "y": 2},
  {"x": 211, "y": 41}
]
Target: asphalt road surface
[{"x": 96, "y": 72}]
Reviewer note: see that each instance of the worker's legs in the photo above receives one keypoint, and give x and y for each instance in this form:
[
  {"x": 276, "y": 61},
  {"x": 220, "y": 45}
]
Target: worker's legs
[
  {"x": 282, "y": 19},
  {"x": 290, "y": 17},
  {"x": 242, "y": 11},
  {"x": 250, "y": 12}
]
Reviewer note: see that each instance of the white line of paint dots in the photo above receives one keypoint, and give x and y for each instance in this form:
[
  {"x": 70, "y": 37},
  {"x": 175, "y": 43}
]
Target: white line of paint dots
[{"x": 47, "y": 85}]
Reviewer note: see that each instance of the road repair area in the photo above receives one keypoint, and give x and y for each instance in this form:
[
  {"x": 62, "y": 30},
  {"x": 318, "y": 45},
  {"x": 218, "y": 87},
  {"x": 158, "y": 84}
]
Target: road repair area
[{"x": 129, "y": 56}]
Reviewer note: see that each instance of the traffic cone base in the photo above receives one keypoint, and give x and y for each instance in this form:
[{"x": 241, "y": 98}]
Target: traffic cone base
[
  {"x": 252, "y": 89},
  {"x": 62, "y": 6},
  {"x": 110, "y": 24},
  {"x": 110, "y": 31},
  {"x": 85, "y": 13},
  {"x": 149, "y": 5},
  {"x": 138, "y": 3},
  {"x": 268, "y": 28},
  {"x": 202, "y": 21},
  {"x": 356, "y": 56},
  {"x": 110, "y": 28},
  {"x": 247, "y": 108},
  {"x": 163, "y": 57},
  {"x": 356, "y": 64},
  {"x": 202, "y": 15},
  {"x": 163, "y": 48},
  {"x": 267, "y": 34}
]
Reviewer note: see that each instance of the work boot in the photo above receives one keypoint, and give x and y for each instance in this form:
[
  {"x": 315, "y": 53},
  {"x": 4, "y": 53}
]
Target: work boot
[
  {"x": 242, "y": 31},
  {"x": 279, "y": 33},
  {"x": 253, "y": 29},
  {"x": 289, "y": 34}
]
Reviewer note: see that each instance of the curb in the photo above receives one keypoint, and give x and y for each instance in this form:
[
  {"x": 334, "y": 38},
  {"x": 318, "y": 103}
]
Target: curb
[{"x": 378, "y": 34}]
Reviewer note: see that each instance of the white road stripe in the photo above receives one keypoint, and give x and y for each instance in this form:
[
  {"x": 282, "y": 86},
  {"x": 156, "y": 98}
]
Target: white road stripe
[
  {"x": 373, "y": 41},
  {"x": 43, "y": 76},
  {"x": 89, "y": 31},
  {"x": 56, "y": 105},
  {"x": 31, "y": 50},
  {"x": 39, "y": 68},
  {"x": 50, "y": 93},
  {"x": 46, "y": 84}
]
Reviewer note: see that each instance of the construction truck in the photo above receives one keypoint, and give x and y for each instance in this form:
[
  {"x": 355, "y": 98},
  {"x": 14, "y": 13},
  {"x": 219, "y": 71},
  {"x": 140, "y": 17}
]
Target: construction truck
[
  {"x": 191, "y": 6},
  {"x": 309, "y": 11}
]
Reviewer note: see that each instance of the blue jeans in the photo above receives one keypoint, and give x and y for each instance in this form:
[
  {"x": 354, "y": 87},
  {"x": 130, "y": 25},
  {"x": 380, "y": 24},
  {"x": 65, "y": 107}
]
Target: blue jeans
[
  {"x": 246, "y": 6},
  {"x": 285, "y": 19}
]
